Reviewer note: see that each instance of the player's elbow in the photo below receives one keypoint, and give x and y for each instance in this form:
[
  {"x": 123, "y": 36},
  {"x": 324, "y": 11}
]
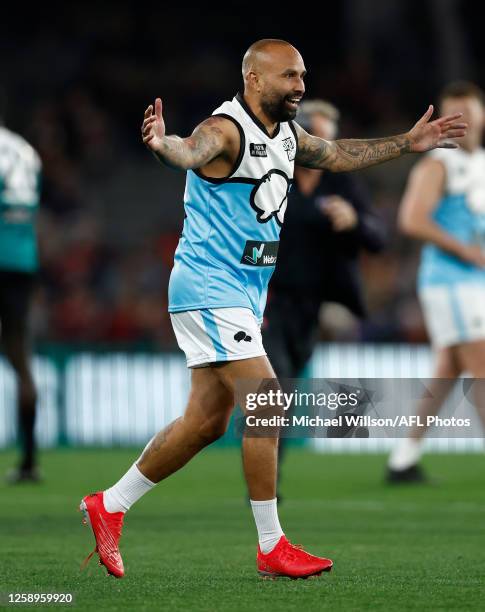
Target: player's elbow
[
  {"x": 404, "y": 225},
  {"x": 330, "y": 164},
  {"x": 408, "y": 224}
]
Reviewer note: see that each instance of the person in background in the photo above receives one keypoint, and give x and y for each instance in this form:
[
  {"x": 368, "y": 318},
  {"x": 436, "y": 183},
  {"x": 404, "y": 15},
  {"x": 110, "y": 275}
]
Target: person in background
[
  {"x": 20, "y": 170},
  {"x": 328, "y": 223},
  {"x": 444, "y": 206}
]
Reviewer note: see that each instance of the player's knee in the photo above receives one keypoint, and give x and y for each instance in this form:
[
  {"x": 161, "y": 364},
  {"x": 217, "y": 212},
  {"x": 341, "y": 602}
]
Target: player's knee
[
  {"x": 212, "y": 429},
  {"x": 269, "y": 385},
  {"x": 477, "y": 370},
  {"x": 474, "y": 367}
]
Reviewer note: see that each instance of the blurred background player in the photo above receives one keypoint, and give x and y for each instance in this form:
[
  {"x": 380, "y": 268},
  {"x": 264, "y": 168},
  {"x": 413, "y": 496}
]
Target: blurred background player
[
  {"x": 327, "y": 224},
  {"x": 444, "y": 206},
  {"x": 19, "y": 198}
]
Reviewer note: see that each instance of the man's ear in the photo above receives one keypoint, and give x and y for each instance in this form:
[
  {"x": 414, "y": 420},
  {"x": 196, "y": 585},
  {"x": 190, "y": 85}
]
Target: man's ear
[{"x": 253, "y": 80}]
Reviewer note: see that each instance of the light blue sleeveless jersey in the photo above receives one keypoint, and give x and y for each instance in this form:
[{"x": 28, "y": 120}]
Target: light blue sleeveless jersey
[
  {"x": 19, "y": 198},
  {"x": 461, "y": 213},
  {"x": 228, "y": 248}
]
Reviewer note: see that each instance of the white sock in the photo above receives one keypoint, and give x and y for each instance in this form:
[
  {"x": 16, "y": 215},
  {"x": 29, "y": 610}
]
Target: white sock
[
  {"x": 267, "y": 523},
  {"x": 405, "y": 454},
  {"x": 121, "y": 496}
]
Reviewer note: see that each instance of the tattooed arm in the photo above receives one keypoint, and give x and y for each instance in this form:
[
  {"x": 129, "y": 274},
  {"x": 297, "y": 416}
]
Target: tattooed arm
[
  {"x": 345, "y": 155},
  {"x": 207, "y": 141}
]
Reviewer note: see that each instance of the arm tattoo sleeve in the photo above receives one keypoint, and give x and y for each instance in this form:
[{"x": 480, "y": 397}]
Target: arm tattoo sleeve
[
  {"x": 205, "y": 143},
  {"x": 346, "y": 155}
]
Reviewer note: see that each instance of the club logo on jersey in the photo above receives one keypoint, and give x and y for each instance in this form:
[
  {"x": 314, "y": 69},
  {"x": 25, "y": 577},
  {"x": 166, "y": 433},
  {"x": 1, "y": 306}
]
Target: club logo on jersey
[
  {"x": 289, "y": 147},
  {"x": 257, "y": 150},
  {"x": 257, "y": 253},
  {"x": 269, "y": 197}
]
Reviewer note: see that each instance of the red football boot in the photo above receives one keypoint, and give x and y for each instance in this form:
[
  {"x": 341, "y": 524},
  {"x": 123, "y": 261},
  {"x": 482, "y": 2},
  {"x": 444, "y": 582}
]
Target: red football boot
[
  {"x": 290, "y": 560},
  {"x": 106, "y": 528}
]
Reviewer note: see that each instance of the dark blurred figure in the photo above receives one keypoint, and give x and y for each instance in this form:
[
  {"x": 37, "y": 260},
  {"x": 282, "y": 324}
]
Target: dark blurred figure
[
  {"x": 19, "y": 198},
  {"x": 328, "y": 222}
]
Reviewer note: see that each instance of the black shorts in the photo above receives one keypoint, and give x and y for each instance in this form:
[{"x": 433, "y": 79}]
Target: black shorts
[{"x": 16, "y": 289}]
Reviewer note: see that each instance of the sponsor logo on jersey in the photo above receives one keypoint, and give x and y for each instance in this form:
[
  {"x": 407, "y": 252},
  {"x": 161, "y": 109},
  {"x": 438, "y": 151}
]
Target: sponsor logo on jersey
[
  {"x": 257, "y": 150},
  {"x": 257, "y": 253},
  {"x": 289, "y": 147}
]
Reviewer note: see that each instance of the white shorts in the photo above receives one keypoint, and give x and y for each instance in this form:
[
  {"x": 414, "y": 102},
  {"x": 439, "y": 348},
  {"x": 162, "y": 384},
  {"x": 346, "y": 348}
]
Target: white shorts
[
  {"x": 454, "y": 314},
  {"x": 217, "y": 334}
]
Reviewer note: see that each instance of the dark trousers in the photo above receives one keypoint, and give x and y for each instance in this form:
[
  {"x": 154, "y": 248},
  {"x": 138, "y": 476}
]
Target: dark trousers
[{"x": 290, "y": 333}]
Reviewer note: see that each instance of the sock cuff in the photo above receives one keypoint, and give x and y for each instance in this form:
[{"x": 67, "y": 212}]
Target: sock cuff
[
  {"x": 263, "y": 503},
  {"x": 146, "y": 480}
]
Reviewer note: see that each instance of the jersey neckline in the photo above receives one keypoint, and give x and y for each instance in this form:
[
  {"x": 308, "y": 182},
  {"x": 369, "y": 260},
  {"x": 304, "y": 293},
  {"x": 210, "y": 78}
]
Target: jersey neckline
[{"x": 239, "y": 97}]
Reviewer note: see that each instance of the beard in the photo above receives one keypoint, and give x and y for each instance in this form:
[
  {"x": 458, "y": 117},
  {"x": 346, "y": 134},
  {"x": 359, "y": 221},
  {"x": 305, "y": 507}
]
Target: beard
[{"x": 276, "y": 109}]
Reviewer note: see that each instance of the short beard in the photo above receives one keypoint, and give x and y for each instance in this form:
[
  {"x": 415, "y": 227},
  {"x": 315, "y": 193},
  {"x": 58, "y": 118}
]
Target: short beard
[{"x": 275, "y": 109}]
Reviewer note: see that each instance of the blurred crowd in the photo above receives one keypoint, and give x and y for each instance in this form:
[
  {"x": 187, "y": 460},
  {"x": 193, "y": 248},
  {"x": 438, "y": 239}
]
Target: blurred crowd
[
  {"x": 78, "y": 84},
  {"x": 92, "y": 287}
]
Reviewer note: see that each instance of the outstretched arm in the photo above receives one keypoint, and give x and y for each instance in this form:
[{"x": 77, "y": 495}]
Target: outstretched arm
[
  {"x": 207, "y": 141},
  {"x": 346, "y": 155}
]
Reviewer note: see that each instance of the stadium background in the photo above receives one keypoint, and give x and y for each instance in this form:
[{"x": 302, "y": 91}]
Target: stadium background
[{"x": 78, "y": 79}]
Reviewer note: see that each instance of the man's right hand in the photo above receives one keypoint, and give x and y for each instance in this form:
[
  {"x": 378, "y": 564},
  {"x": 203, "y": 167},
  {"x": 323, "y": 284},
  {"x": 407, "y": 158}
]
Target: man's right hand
[
  {"x": 215, "y": 136},
  {"x": 153, "y": 127}
]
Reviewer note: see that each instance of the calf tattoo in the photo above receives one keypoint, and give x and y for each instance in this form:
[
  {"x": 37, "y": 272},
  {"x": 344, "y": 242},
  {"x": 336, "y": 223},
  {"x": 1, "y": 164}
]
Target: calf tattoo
[{"x": 161, "y": 437}]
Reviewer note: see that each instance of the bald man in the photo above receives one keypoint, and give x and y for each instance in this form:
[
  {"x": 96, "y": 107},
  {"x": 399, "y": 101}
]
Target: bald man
[{"x": 239, "y": 165}]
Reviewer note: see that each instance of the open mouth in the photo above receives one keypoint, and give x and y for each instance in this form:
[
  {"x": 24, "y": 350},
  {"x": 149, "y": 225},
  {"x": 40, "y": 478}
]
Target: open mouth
[{"x": 293, "y": 102}]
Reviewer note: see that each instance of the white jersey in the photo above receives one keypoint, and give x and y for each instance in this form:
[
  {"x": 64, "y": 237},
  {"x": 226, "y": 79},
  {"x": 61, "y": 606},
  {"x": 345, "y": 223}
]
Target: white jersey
[
  {"x": 452, "y": 291},
  {"x": 229, "y": 244},
  {"x": 461, "y": 213},
  {"x": 465, "y": 175},
  {"x": 20, "y": 169}
]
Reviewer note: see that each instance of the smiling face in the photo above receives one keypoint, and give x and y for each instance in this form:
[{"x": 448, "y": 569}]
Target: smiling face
[{"x": 275, "y": 74}]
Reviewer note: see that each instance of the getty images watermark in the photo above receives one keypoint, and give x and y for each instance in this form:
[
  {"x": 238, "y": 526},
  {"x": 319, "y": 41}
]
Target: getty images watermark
[{"x": 359, "y": 407}]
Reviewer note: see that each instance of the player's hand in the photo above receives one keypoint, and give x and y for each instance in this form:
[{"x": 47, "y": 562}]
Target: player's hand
[
  {"x": 341, "y": 213},
  {"x": 473, "y": 254},
  {"x": 153, "y": 127},
  {"x": 426, "y": 135}
]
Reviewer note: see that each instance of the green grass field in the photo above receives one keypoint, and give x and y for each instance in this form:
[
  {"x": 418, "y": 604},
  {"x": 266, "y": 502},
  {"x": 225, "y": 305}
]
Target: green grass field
[{"x": 190, "y": 543}]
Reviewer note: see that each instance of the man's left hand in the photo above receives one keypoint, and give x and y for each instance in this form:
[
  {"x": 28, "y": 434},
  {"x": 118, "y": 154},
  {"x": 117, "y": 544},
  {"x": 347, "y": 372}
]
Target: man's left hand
[{"x": 426, "y": 135}]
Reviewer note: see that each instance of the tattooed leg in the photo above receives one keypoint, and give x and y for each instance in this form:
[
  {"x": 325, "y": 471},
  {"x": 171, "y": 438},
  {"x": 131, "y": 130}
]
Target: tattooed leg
[{"x": 204, "y": 421}]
